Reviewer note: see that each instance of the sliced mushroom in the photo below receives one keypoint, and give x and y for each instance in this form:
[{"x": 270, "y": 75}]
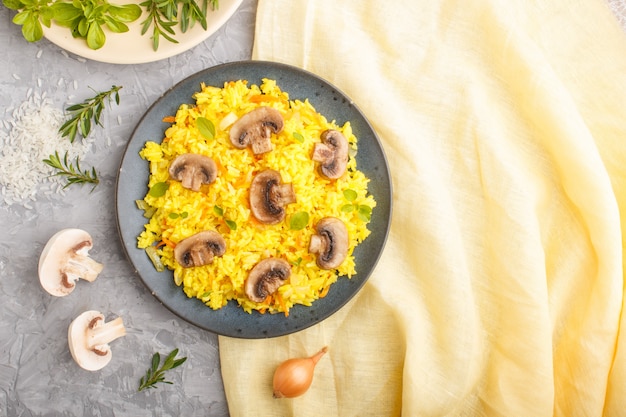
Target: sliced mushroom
[
  {"x": 255, "y": 129},
  {"x": 193, "y": 170},
  {"x": 266, "y": 277},
  {"x": 89, "y": 336},
  {"x": 330, "y": 243},
  {"x": 65, "y": 259},
  {"x": 269, "y": 196},
  {"x": 332, "y": 154},
  {"x": 199, "y": 249}
]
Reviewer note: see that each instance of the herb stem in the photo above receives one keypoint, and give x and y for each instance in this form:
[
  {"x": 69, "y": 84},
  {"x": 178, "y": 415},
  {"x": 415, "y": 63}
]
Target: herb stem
[
  {"x": 82, "y": 114},
  {"x": 156, "y": 374},
  {"x": 73, "y": 173}
]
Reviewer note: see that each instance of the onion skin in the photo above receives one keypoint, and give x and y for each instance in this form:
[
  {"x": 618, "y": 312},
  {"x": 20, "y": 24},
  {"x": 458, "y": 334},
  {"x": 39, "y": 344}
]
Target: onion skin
[{"x": 293, "y": 377}]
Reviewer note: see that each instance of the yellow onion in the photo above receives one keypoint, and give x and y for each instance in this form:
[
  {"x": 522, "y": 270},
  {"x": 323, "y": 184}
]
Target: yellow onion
[{"x": 293, "y": 377}]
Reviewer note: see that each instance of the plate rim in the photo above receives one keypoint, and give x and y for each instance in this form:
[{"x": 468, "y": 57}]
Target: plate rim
[{"x": 238, "y": 333}]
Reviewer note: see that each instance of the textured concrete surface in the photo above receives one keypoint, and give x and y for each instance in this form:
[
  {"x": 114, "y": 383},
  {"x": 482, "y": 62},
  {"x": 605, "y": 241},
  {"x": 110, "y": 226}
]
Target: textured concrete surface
[{"x": 37, "y": 374}]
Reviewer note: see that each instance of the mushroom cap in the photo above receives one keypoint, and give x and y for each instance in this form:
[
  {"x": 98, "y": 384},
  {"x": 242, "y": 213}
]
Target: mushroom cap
[
  {"x": 193, "y": 170},
  {"x": 199, "y": 249},
  {"x": 269, "y": 196},
  {"x": 255, "y": 128},
  {"x": 265, "y": 278},
  {"x": 89, "y": 349},
  {"x": 64, "y": 259},
  {"x": 330, "y": 243},
  {"x": 332, "y": 154}
]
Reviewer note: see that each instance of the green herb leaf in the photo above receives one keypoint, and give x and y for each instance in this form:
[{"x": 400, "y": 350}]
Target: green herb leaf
[
  {"x": 83, "y": 113},
  {"x": 72, "y": 172},
  {"x": 297, "y": 136},
  {"x": 206, "y": 127},
  {"x": 156, "y": 374},
  {"x": 13, "y": 4},
  {"x": 83, "y": 18},
  {"x": 350, "y": 195},
  {"x": 125, "y": 13},
  {"x": 365, "y": 213},
  {"x": 65, "y": 14},
  {"x": 163, "y": 16},
  {"x": 95, "y": 36},
  {"x": 158, "y": 189},
  {"x": 32, "y": 29},
  {"x": 220, "y": 212},
  {"x": 231, "y": 224},
  {"x": 347, "y": 208},
  {"x": 299, "y": 220}
]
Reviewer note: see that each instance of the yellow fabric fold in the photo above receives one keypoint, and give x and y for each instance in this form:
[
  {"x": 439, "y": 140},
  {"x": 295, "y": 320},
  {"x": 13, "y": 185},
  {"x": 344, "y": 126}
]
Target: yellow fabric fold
[{"x": 500, "y": 291}]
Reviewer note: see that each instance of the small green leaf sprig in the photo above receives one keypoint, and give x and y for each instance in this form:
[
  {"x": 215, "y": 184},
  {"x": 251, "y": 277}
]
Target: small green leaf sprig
[
  {"x": 80, "y": 122},
  {"x": 82, "y": 114},
  {"x": 72, "y": 171},
  {"x": 363, "y": 211},
  {"x": 156, "y": 373},
  {"x": 163, "y": 16},
  {"x": 85, "y": 19}
]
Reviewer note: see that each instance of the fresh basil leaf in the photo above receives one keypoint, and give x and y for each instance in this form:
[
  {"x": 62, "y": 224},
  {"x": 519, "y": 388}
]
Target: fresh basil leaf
[
  {"x": 13, "y": 4},
  {"x": 206, "y": 127},
  {"x": 82, "y": 27},
  {"x": 115, "y": 27},
  {"x": 66, "y": 14},
  {"x": 347, "y": 208},
  {"x": 22, "y": 17},
  {"x": 350, "y": 195},
  {"x": 299, "y": 220},
  {"x": 297, "y": 136},
  {"x": 158, "y": 189},
  {"x": 125, "y": 13},
  {"x": 32, "y": 30},
  {"x": 365, "y": 213},
  {"x": 95, "y": 36}
]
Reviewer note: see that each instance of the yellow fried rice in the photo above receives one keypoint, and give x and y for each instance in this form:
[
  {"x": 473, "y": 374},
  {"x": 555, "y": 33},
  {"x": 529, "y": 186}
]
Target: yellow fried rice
[{"x": 223, "y": 206}]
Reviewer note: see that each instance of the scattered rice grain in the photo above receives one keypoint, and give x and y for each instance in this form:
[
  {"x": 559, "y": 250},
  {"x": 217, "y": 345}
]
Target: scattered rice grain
[{"x": 32, "y": 136}]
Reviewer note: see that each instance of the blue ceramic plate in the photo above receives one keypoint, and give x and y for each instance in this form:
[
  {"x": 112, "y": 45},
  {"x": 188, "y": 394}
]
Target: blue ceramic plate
[{"x": 231, "y": 320}]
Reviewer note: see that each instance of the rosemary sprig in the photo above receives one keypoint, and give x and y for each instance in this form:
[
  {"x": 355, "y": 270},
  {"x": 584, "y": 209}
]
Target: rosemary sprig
[
  {"x": 73, "y": 174},
  {"x": 156, "y": 374},
  {"x": 82, "y": 114},
  {"x": 163, "y": 17},
  {"x": 157, "y": 17}
]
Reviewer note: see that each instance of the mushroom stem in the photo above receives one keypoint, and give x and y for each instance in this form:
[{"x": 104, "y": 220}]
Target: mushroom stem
[
  {"x": 83, "y": 267},
  {"x": 99, "y": 333}
]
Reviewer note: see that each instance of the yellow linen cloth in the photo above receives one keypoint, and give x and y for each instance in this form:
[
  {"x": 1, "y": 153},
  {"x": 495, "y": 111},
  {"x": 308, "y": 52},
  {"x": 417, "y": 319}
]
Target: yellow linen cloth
[{"x": 500, "y": 291}]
